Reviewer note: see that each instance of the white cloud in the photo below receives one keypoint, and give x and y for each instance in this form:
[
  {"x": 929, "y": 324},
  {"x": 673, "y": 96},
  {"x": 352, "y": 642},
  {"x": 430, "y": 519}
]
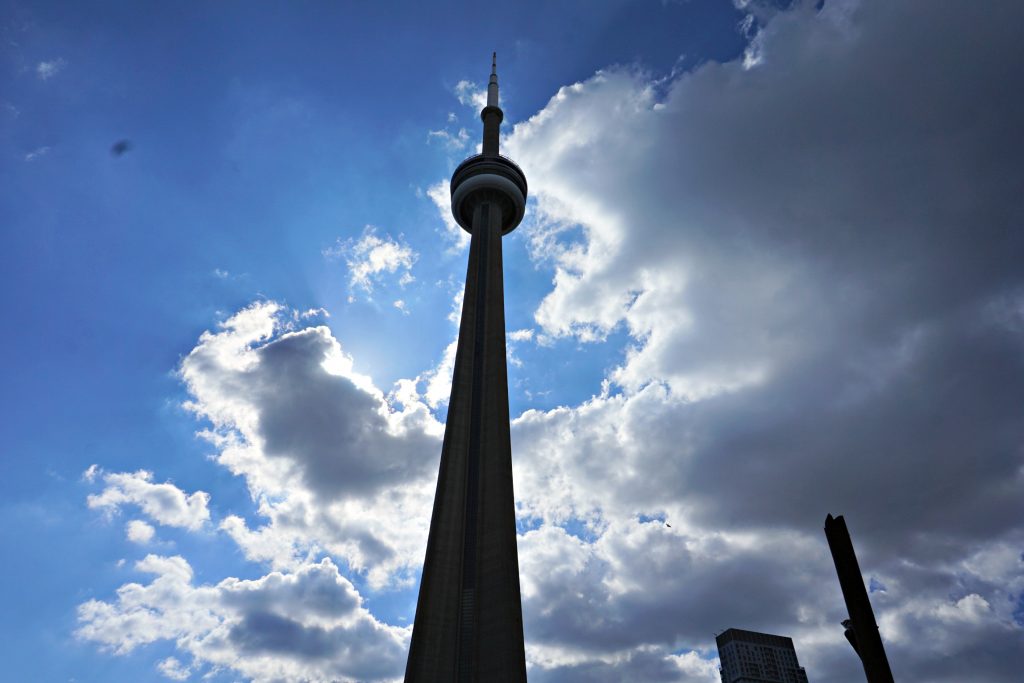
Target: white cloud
[
  {"x": 521, "y": 335},
  {"x": 139, "y": 532},
  {"x": 312, "y": 313},
  {"x": 47, "y": 70},
  {"x": 309, "y": 624},
  {"x": 331, "y": 463},
  {"x": 453, "y": 232},
  {"x": 90, "y": 473},
  {"x": 438, "y": 380},
  {"x": 371, "y": 257},
  {"x": 164, "y": 503},
  {"x": 173, "y": 669},
  {"x": 37, "y": 153},
  {"x": 453, "y": 141},
  {"x": 471, "y": 95},
  {"x": 514, "y": 338}
]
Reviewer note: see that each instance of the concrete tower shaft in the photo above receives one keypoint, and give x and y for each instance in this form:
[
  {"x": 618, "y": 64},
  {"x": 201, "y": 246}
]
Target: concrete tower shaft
[{"x": 469, "y": 623}]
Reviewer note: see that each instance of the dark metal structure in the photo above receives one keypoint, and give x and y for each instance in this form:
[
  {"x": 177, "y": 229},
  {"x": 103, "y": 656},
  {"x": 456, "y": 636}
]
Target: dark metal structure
[
  {"x": 861, "y": 629},
  {"x": 469, "y": 622}
]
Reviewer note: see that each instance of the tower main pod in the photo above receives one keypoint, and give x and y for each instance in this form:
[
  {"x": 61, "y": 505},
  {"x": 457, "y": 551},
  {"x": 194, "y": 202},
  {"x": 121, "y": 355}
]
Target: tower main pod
[{"x": 469, "y": 620}]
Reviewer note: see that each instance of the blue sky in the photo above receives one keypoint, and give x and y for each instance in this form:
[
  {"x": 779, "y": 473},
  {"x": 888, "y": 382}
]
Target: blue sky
[{"x": 768, "y": 272}]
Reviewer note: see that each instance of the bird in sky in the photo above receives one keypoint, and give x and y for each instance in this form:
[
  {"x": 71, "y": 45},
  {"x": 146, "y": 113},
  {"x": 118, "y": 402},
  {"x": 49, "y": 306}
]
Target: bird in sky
[{"x": 120, "y": 147}]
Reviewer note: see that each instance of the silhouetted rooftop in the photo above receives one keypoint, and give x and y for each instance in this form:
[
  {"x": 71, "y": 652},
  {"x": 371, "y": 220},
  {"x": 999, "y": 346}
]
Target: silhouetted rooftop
[{"x": 732, "y": 634}]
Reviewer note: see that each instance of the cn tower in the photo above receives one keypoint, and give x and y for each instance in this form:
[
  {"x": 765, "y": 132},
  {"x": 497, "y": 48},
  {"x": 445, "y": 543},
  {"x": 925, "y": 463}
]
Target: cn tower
[{"x": 469, "y": 619}]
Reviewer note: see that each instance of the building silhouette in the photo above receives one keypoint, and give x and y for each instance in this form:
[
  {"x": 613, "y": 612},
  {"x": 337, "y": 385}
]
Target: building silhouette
[
  {"x": 469, "y": 622},
  {"x": 752, "y": 657}
]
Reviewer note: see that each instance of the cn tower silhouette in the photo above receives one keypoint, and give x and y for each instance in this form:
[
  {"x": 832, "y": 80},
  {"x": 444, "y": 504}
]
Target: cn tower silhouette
[{"x": 469, "y": 620}]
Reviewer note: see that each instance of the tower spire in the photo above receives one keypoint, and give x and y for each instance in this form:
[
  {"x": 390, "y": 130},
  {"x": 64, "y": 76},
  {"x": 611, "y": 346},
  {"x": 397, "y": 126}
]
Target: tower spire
[
  {"x": 492, "y": 85},
  {"x": 491, "y": 114}
]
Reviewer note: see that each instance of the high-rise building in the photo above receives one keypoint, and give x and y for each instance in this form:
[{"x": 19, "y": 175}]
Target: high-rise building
[
  {"x": 752, "y": 657},
  {"x": 469, "y": 621}
]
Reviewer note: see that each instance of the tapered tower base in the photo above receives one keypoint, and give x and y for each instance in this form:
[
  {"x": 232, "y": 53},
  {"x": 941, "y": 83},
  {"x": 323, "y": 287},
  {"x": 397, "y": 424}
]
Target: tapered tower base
[{"x": 469, "y": 623}]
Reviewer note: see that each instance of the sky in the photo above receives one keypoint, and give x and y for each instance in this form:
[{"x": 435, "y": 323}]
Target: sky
[{"x": 770, "y": 270}]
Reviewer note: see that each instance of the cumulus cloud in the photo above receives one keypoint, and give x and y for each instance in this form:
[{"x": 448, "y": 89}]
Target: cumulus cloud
[
  {"x": 164, "y": 503},
  {"x": 139, "y": 532},
  {"x": 330, "y": 461},
  {"x": 733, "y": 295},
  {"x": 371, "y": 257},
  {"x": 815, "y": 278},
  {"x": 173, "y": 669},
  {"x": 309, "y": 624}
]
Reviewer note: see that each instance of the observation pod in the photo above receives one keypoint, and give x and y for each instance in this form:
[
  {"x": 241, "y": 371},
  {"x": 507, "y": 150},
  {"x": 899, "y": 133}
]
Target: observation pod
[{"x": 485, "y": 177}]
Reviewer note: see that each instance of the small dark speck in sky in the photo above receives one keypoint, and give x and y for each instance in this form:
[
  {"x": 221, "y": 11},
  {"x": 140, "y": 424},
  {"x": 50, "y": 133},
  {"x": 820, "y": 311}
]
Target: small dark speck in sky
[{"x": 120, "y": 147}]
